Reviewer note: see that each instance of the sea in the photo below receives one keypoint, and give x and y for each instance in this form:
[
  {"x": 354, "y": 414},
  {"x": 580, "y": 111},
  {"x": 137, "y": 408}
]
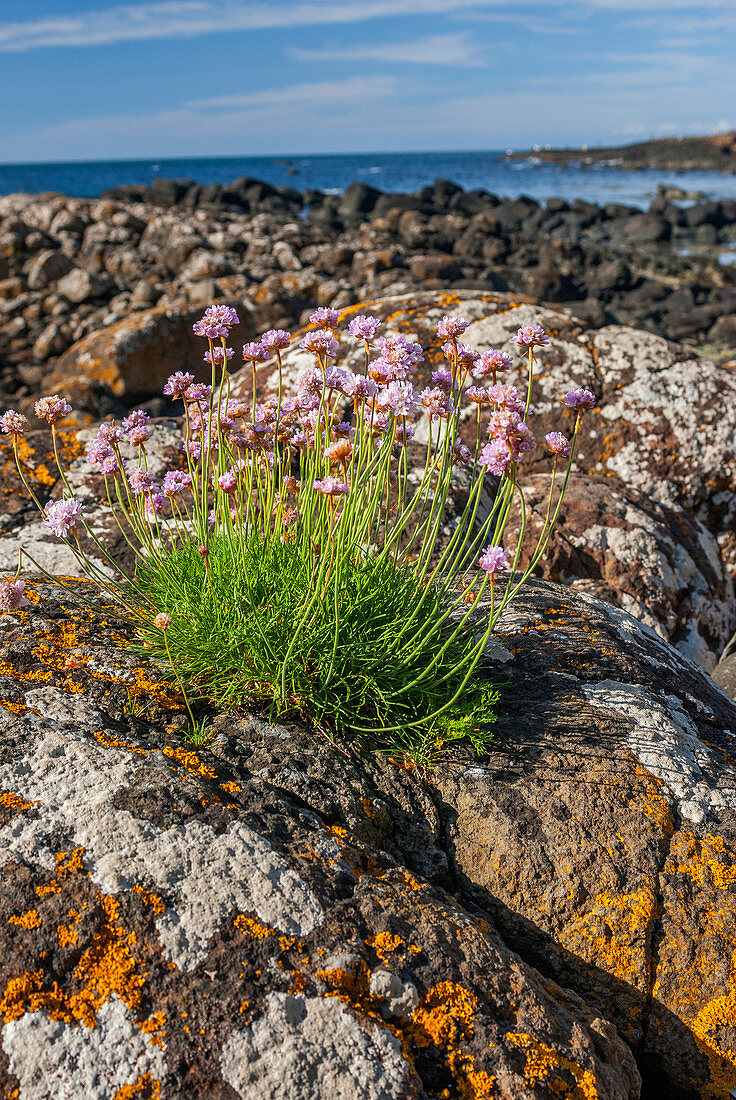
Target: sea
[{"x": 491, "y": 170}]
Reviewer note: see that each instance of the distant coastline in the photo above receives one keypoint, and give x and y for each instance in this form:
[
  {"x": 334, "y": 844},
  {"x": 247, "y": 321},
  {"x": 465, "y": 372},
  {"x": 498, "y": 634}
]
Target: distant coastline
[{"x": 714, "y": 153}]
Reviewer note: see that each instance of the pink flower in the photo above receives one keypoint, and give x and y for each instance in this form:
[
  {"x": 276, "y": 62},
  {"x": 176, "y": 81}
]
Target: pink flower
[
  {"x": 256, "y": 353},
  {"x": 177, "y": 384},
  {"x": 176, "y": 481},
  {"x": 442, "y": 378},
  {"x": 493, "y": 560},
  {"x": 479, "y": 394},
  {"x": 326, "y": 317},
  {"x": 461, "y": 453},
  {"x": 140, "y": 481},
  {"x": 216, "y": 354},
  {"x": 364, "y": 327},
  {"x": 580, "y": 399},
  {"x": 61, "y": 516},
  {"x": 11, "y": 595},
  {"x": 155, "y": 504},
  {"x": 330, "y": 486},
  {"x": 138, "y": 418},
  {"x": 400, "y": 399},
  {"x": 496, "y": 457},
  {"x": 439, "y": 403},
  {"x": 52, "y": 408},
  {"x": 198, "y": 392},
  {"x": 228, "y": 482},
  {"x": 13, "y": 423},
  {"x": 506, "y": 397},
  {"x": 450, "y": 328},
  {"x": 321, "y": 342},
  {"x": 217, "y": 322},
  {"x": 275, "y": 338},
  {"x": 138, "y": 436},
  {"x": 465, "y": 355},
  {"x": 558, "y": 443},
  {"x": 489, "y": 362},
  {"x": 530, "y": 336}
]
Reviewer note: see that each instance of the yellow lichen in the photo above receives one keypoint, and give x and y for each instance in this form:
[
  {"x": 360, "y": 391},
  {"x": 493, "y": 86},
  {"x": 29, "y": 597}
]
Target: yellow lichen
[
  {"x": 10, "y": 801},
  {"x": 384, "y": 944},
  {"x": 67, "y": 864},
  {"x": 190, "y": 761},
  {"x": 250, "y": 927},
  {"x": 153, "y": 900},
  {"x": 69, "y": 933},
  {"x": 31, "y": 919},
  {"x": 547, "y": 1067},
  {"x": 144, "y": 1085}
]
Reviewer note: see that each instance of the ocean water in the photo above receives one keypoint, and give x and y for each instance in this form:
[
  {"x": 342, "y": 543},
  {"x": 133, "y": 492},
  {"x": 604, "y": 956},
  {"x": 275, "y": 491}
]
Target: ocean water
[{"x": 385, "y": 171}]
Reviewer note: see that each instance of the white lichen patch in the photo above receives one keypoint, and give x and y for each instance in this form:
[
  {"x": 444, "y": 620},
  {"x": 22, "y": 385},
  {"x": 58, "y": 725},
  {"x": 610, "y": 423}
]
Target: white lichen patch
[
  {"x": 73, "y": 781},
  {"x": 54, "y": 1061},
  {"x": 313, "y": 1048},
  {"x": 665, "y": 741}
]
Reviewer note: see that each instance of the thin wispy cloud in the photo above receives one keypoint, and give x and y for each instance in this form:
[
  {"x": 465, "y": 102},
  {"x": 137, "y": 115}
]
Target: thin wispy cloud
[
  {"x": 327, "y": 91},
  {"x": 190, "y": 18},
  {"x": 435, "y": 49}
]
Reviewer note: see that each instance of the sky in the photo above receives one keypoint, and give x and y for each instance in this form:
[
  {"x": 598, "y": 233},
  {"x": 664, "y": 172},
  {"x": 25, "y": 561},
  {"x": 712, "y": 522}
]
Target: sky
[{"x": 87, "y": 80}]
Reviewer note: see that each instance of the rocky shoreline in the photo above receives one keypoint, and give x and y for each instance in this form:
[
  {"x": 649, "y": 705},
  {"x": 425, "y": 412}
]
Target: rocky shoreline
[
  {"x": 70, "y": 268},
  {"x": 714, "y": 153}
]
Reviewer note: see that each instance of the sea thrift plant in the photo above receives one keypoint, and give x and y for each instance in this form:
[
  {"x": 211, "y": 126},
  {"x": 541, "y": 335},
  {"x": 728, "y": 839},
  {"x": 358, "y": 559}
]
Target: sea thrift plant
[{"x": 295, "y": 558}]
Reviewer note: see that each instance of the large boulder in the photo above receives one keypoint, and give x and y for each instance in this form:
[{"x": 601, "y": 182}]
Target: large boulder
[
  {"x": 269, "y": 918},
  {"x": 135, "y": 356},
  {"x": 660, "y": 564}
]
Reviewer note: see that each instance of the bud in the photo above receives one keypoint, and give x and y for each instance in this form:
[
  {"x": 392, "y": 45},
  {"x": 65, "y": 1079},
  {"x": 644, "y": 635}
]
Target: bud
[{"x": 162, "y": 621}]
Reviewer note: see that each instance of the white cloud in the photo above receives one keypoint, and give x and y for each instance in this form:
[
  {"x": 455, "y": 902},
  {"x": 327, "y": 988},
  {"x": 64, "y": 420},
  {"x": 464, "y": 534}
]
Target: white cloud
[
  {"x": 435, "y": 49},
  {"x": 361, "y": 88},
  {"x": 189, "y": 18}
]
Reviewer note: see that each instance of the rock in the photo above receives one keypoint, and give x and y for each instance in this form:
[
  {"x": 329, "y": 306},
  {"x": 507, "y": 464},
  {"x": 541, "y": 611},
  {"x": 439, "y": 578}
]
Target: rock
[
  {"x": 135, "y": 356},
  {"x": 358, "y": 199},
  {"x": 600, "y": 832},
  {"x": 659, "y": 564},
  {"x": 724, "y": 674},
  {"x": 51, "y": 341},
  {"x": 79, "y": 285},
  {"x": 184, "y": 923},
  {"x": 48, "y": 267},
  {"x": 646, "y": 227}
]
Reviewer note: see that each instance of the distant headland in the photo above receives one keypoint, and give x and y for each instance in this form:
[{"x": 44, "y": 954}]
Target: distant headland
[{"x": 714, "y": 153}]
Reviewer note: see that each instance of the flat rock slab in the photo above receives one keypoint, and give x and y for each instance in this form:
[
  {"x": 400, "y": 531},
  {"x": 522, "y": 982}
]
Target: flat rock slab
[{"x": 181, "y": 923}]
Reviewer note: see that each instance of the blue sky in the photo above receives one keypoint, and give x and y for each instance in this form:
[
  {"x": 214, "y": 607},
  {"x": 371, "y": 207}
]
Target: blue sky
[{"x": 86, "y": 79}]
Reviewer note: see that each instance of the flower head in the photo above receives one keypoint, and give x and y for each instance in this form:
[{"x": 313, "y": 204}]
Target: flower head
[
  {"x": 489, "y": 362},
  {"x": 138, "y": 418},
  {"x": 364, "y": 327},
  {"x": 177, "y": 383},
  {"x": 339, "y": 451},
  {"x": 61, "y": 516},
  {"x": 580, "y": 399},
  {"x": 325, "y": 317},
  {"x": 450, "y": 328},
  {"x": 330, "y": 486},
  {"x": 321, "y": 342},
  {"x": 479, "y": 395},
  {"x": 256, "y": 353},
  {"x": 506, "y": 397},
  {"x": 198, "y": 391},
  {"x": 216, "y": 354},
  {"x": 52, "y": 408},
  {"x": 465, "y": 355},
  {"x": 140, "y": 481},
  {"x": 13, "y": 423},
  {"x": 530, "y": 336},
  {"x": 275, "y": 338},
  {"x": 442, "y": 378},
  {"x": 176, "y": 481},
  {"x": 217, "y": 322},
  {"x": 439, "y": 402},
  {"x": 162, "y": 621},
  {"x": 228, "y": 482},
  {"x": 493, "y": 560},
  {"x": 558, "y": 443},
  {"x": 11, "y": 595}
]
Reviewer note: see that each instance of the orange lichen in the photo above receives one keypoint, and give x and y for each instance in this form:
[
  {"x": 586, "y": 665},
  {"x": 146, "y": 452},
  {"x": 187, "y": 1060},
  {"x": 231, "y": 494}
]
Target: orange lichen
[
  {"x": 69, "y": 933},
  {"x": 67, "y": 864},
  {"x": 384, "y": 944},
  {"x": 153, "y": 900},
  {"x": 10, "y": 801},
  {"x": 144, "y": 1086},
  {"x": 115, "y": 743},
  {"x": 614, "y": 935},
  {"x": 155, "y": 1029},
  {"x": 15, "y": 708},
  {"x": 547, "y": 1067},
  {"x": 699, "y": 860},
  {"x": 252, "y": 928},
  {"x": 31, "y": 919},
  {"x": 107, "y": 968},
  {"x": 231, "y": 788},
  {"x": 444, "y": 1019},
  {"x": 190, "y": 761}
]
